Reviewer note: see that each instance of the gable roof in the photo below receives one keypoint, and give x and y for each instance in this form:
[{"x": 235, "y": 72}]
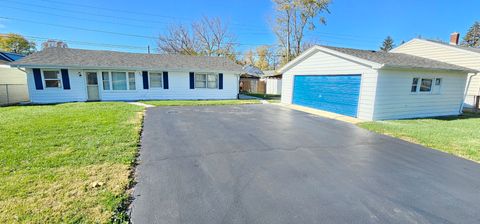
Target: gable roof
[
  {"x": 7, "y": 56},
  {"x": 471, "y": 49},
  {"x": 252, "y": 70},
  {"x": 99, "y": 59},
  {"x": 378, "y": 59}
]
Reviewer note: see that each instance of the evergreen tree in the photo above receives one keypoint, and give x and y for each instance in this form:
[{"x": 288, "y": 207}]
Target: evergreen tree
[
  {"x": 387, "y": 44},
  {"x": 472, "y": 39}
]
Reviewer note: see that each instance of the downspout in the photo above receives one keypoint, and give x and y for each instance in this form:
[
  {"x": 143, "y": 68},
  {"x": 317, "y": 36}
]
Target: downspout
[{"x": 466, "y": 92}]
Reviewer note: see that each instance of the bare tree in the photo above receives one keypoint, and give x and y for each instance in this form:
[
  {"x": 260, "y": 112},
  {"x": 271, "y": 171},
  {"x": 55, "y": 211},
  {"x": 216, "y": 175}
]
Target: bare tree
[
  {"x": 292, "y": 19},
  {"x": 208, "y": 36}
]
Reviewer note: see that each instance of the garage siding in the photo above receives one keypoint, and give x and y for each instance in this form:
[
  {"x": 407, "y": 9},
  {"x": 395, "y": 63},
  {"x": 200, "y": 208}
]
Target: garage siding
[
  {"x": 395, "y": 101},
  {"x": 324, "y": 63}
]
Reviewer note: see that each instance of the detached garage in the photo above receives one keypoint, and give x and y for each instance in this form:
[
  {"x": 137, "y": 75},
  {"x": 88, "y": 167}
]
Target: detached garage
[{"x": 373, "y": 85}]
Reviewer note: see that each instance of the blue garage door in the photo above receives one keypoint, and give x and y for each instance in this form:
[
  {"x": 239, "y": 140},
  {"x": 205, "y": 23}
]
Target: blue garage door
[{"x": 334, "y": 93}]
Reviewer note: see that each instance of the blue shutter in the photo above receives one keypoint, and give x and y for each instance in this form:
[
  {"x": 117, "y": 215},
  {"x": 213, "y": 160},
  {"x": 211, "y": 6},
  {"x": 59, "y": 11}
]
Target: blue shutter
[
  {"x": 65, "y": 79},
  {"x": 145, "y": 79},
  {"x": 37, "y": 76},
  {"x": 192, "y": 80},
  {"x": 220, "y": 81},
  {"x": 165, "y": 80}
]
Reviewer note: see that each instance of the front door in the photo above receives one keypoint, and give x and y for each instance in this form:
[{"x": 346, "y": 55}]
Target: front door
[{"x": 92, "y": 86}]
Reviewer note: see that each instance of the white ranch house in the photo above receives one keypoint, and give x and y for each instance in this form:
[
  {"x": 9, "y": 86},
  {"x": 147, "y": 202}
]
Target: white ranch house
[
  {"x": 450, "y": 53},
  {"x": 374, "y": 85},
  {"x": 58, "y": 75}
]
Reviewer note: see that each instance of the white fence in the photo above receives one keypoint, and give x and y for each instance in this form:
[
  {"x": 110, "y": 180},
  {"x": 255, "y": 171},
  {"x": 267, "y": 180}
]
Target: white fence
[
  {"x": 13, "y": 93},
  {"x": 274, "y": 86}
]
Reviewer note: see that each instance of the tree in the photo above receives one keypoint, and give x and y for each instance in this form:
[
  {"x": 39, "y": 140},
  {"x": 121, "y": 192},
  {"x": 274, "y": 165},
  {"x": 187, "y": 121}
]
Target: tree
[
  {"x": 264, "y": 56},
  {"x": 16, "y": 43},
  {"x": 249, "y": 58},
  {"x": 387, "y": 44},
  {"x": 472, "y": 38},
  {"x": 292, "y": 18},
  {"x": 205, "y": 37},
  {"x": 54, "y": 43}
]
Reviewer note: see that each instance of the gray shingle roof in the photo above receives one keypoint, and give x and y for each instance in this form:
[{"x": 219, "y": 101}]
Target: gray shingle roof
[
  {"x": 398, "y": 60},
  {"x": 69, "y": 57}
]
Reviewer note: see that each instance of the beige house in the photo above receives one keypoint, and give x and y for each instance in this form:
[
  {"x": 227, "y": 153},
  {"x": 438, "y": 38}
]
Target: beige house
[
  {"x": 13, "y": 81},
  {"x": 449, "y": 53}
]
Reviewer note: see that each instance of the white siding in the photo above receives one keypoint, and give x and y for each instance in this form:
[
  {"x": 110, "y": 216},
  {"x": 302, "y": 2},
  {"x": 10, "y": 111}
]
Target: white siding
[
  {"x": 395, "y": 101},
  {"x": 179, "y": 88},
  {"x": 77, "y": 92},
  {"x": 321, "y": 63},
  {"x": 273, "y": 86},
  {"x": 10, "y": 75},
  {"x": 446, "y": 54}
]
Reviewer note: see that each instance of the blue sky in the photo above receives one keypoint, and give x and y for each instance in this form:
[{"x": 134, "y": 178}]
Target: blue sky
[{"x": 135, "y": 24}]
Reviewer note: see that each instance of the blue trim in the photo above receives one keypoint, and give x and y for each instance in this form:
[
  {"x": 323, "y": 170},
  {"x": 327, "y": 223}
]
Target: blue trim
[
  {"x": 145, "y": 79},
  {"x": 335, "y": 93},
  {"x": 220, "y": 81},
  {"x": 37, "y": 76},
  {"x": 165, "y": 80},
  {"x": 192, "y": 80},
  {"x": 65, "y": 79}
]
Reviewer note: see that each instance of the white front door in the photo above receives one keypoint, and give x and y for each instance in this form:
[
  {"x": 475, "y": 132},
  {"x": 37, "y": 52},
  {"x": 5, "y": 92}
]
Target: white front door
[{"x": 92, "y": 86}]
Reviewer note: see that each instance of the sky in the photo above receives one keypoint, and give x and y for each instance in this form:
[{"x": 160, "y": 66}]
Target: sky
[{"x": 126, "y": 25}]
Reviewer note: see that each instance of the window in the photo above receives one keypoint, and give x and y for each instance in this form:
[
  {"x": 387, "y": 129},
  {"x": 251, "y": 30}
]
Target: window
[
  {"x": 426, "y": 85},
  {"x": 52, "y": 79},
  {"x": 438, "y": 81},
  {"x": 206, "y": 81},
  {"x": 414, "y": 85},
  {"x": 118, "y": 80},
  {"x": 106, "y": 80},
  {"x": 131, "y": 80},
  {"x": 156, "y": 80}
]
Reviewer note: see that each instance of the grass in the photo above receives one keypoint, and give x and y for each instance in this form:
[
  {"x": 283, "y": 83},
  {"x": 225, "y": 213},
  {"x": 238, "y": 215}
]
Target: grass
[
  {"x": 458, "y": 135},
  {"x": 198, "y": 102},
  {"x": 66, "y": 163},
  {"x": 264, "y": 96}
]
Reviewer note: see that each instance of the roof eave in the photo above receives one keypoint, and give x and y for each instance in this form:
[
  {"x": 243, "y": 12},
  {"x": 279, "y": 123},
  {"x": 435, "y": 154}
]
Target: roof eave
[
  {"x": 15, "y": 65},
  {"x": 428, "y": 69}
]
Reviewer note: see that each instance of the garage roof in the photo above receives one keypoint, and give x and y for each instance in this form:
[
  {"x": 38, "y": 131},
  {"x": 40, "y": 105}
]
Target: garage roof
[
  {"x": 93, "y": 59},
  {"x": 380, "y": 59}
]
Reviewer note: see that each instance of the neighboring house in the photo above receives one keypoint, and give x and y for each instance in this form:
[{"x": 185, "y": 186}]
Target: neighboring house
[
  {"x": 250, "y": 80},
  {"x": 373, "y": 85},
  {"x": 64, "y": 74},
  {"x": 450, "y": 53},
  {"x": 13, "y": 81},
  {"x": 273, "y": 82}
]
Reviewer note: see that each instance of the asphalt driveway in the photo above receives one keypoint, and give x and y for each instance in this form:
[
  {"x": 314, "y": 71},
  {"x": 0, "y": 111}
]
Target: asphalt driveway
[{"x": 269, "y": 164}]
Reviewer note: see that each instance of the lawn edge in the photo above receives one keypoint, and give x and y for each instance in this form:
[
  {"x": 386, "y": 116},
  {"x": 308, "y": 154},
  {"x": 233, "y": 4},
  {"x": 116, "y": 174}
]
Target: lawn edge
[
  {"x": 122, "y": 213},
  {"x": 412, "y": 140}
]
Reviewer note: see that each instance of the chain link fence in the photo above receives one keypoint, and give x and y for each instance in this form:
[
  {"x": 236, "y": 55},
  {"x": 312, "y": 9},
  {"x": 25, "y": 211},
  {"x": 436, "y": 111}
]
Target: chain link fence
[{"x": 13, "y": 93}]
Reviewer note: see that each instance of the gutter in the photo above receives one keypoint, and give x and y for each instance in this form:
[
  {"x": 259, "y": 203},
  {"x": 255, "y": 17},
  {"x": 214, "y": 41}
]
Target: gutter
[{"x": 466, "y": 92}]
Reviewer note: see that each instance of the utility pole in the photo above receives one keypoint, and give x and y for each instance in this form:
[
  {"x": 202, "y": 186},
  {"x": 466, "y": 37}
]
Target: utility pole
[{"x": 148, "y": 49}]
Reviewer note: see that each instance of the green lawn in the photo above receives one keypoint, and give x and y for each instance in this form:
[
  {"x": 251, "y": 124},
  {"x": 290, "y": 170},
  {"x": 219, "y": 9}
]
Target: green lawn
[
  {"x": 66, "y": 163},
  {"x": 198, "y": 102},
  {"x": 458, "y": 135}
]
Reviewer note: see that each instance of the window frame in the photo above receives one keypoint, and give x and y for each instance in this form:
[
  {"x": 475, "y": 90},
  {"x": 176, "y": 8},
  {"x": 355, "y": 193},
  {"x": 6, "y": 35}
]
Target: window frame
[
  {"x": 127, "y": 80},
  {"x": 150, "y": 82},
  {"x": 206, "y": 80},
  {"x": 434, "y": 89},
  {"x": 59, "y": 78}
]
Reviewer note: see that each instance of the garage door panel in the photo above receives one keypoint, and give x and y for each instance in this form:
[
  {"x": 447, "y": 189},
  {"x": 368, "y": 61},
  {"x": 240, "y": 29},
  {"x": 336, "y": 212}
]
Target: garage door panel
[{"x": 334, "y": 93}]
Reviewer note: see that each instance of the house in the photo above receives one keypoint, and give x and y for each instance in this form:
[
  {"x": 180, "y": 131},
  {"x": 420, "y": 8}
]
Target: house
[
  {"x": 273, "y": 82},
  {"x": 64, "y": 75},
  {"x": 373, "y": 85},
  {"x": 13, "y": 81},
  {"x": 250, "y": 80},
  {"x": 450, "y": 53}
]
